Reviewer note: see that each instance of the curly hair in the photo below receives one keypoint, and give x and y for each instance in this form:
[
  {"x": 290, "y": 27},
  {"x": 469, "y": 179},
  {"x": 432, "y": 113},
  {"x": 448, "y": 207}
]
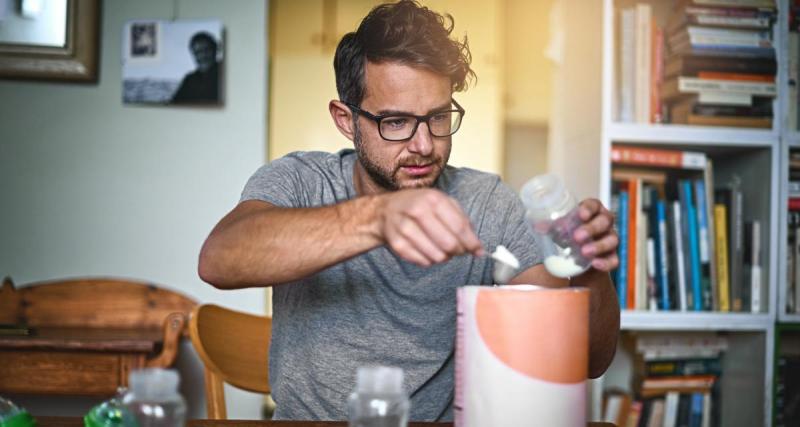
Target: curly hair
[{"x": 403, "y": 32}]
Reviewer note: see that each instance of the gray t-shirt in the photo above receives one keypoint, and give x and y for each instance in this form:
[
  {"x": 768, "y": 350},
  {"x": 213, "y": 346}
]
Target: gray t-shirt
[{"x": 376, "y": 308}]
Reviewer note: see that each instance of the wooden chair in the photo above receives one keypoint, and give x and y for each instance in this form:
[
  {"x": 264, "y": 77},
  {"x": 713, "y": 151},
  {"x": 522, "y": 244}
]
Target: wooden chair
[
  {"x": 234, "y": 347},
  {"x": 87, "y": 333}
]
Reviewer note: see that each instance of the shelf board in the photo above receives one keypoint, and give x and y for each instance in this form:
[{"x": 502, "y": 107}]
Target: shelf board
[
  {"x": 794, "y": 139},
  {"x": 692, "y": 135},
  {"x": 694, "y": 321},
  {"x": 789, "y": 318}
]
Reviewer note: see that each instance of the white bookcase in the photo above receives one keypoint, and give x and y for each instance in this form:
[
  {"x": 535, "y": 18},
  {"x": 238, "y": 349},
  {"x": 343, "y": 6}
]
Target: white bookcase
[{"x": 758, "y": 156}]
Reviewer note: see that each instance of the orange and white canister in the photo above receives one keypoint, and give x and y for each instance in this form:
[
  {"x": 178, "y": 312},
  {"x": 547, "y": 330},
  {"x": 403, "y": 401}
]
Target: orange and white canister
[{"x": 522, "y": 356}]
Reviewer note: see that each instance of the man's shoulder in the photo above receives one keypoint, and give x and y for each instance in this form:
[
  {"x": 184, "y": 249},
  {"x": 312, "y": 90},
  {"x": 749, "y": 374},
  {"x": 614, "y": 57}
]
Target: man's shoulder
[
  {"x": 315, "y": 160},
  {"x": 458, "y": 178}
]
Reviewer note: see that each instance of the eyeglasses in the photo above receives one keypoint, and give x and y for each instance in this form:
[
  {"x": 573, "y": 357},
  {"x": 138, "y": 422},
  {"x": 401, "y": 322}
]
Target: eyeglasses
[{"x": 402, "y": 127}]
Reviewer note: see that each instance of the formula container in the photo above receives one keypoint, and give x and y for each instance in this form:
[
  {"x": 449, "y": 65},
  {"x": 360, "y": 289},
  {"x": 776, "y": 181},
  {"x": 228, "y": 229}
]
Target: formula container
[{"x": 522, "y": 356}]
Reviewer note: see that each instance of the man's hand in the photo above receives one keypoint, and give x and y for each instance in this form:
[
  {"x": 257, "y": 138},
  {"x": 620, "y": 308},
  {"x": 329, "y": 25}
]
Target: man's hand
[
  {"x": 597, "y": 236},
  {"x": 426, "y": 227}
]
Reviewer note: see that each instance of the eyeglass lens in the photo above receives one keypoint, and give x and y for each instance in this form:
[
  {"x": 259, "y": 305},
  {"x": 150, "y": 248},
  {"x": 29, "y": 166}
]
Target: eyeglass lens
[{"x": 445, "y": 123}]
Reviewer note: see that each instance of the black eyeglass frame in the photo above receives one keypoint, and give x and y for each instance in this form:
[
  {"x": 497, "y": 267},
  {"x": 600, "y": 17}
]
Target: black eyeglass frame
[{"x": 377, "y": 119}]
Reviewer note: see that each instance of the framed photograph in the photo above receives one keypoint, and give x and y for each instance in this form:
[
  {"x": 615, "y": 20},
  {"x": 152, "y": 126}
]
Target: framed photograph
[
  {"x": 172, "y": 62},
  {"x": 49, "y": 40}
]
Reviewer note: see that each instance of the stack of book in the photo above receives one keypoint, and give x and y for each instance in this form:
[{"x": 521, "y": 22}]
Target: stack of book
[
  {"x": 641, "y": 60},
  {"x": 720, "y": 67},
  {"x": 675, "y": 383},
  {"x": 684, "y": 244}
]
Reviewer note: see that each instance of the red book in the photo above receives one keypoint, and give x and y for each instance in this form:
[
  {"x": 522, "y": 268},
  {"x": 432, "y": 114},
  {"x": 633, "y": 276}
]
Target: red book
[
  {"x": 626, "y": 155},
  {"x": 794, "y": 204}
]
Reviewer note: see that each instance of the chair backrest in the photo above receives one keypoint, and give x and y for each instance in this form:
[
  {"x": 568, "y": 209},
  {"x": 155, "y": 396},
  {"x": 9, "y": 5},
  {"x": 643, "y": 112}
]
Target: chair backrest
[
  {"x": 234, "y": 347},
  {"x": 90, "y": 302}
]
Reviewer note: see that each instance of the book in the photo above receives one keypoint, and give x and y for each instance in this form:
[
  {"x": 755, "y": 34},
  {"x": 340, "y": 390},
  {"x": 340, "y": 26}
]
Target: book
[
  {"x": 747, "y": 18},
  {"x": 643, "y": 54},
  {"x": 634, "y": 414},
  {"x": 656, "y": 178},
  {"x": 622, "y": 227},
  {"x": 683, "y": 384},
  {"x": 767, "y": 4},
  {"x": 662, "y": 236},
  {"x": 679, "y": 277},
  {"x": 692, "y": 65},
  {"x": 689, "y": 211},
  {"x": 727, "y": 121},
  {"x": 680, "y": 346},
  {"x": 704, "y": 243},
  {"x": 735, "y": 38},
  {"x": 654, "y": 157},
  {"x": 627, "y": 65},
  {"x": 676, "y": 87},
  {"x": 746, "y": 77},
  {"x": 732, "y": 198},
  {"x": 721, "y": 229},
  {"x": 696, "y": 411},
  {"x": 634, "y": 209},
  {"x": 722, "y": 50},
  {"x": 616, "y": 407},
  {"x": 753, "y": 266},
  {"x": 671, "y": 409},
  {"x": 652, "y": 299},
  {"x": 657, "y": 72},
  {"x": 681, "y": 367}
]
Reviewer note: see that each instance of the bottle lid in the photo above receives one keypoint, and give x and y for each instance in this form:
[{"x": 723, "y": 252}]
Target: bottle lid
[
  {"x": 379, "y": 379},
  {"x": 154, "y": 383},
  {"x": 545, "y": 195}
]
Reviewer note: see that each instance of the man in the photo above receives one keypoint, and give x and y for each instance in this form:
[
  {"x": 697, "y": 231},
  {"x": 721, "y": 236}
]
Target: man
[
  {"x": 201, "y": 85},
  {"x": 365, "y": 249}
]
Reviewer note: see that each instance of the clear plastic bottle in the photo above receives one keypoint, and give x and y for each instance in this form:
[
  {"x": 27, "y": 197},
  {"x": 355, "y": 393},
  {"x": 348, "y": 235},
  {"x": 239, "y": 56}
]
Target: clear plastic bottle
[
  {"x": 379, "y": 399},
  {"x": 12, "y": 415},
  {"x": 153, "y": 398},
  {"x": 553, "y": 214}
]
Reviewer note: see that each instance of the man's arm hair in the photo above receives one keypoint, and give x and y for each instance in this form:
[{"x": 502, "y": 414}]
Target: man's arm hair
[{"x": 260, "y": 244}]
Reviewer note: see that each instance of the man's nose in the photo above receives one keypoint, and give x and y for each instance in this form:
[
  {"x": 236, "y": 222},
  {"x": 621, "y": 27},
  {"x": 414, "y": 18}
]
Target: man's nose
[{"x": 422, "y": 141}]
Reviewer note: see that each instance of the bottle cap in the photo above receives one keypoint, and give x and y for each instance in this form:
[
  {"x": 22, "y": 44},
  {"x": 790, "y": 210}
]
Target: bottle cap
[
  {"x": 154, "y": 383},
  {"x": 545, "y": 195},
  {"x": 379, "y": 379}
]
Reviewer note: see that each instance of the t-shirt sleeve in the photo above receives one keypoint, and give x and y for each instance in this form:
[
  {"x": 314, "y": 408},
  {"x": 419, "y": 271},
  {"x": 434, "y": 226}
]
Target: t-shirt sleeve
[
  {"x": 279, "y": 183},
  {"x": 518, "y": 236}
]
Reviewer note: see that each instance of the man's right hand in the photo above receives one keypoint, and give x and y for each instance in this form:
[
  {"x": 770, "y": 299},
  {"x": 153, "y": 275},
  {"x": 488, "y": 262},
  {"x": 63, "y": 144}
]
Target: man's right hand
[{"x": 426, "y": 227}]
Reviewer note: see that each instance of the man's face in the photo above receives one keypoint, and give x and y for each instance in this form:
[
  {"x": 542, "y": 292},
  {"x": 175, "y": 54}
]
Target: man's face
[
  {"x": 393, "y": 88},
  {"x": 204, "y": 54}
]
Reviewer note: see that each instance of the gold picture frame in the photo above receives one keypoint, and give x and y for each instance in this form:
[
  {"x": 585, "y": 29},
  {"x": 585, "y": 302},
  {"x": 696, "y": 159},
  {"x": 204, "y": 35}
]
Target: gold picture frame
[{"x": 77, "y": 61}]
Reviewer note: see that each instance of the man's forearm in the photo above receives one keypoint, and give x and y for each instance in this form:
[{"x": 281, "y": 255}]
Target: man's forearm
[
  {"x": 262, "y": 245},
  {"x": 603, "y": 319}
]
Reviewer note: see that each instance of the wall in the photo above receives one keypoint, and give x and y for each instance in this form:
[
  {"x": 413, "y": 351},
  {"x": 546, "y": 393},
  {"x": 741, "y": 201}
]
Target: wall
[{"x": 89, "y": 186}]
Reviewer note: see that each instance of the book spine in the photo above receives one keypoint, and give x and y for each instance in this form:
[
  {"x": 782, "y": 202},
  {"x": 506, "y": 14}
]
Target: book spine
[
  {"x": 622, "y": 270},
  {"x": 663, "y": 264},
  {"x": 703, "y": 242},
  {"x": 755, "y": 268},
  {"x": 657, "y": 72},
  {"x": 680, "y": 259},
  {"x": 627, "y": 64},
  {"x": 721, "y": 228},
  {"x": 643, "y": 54},
  {"x": 633, "y": 217},
  {"x": 694, "y": 85},
  {"x": 694, "y": 250},
  {"x": 625, "y": 155},
  {"x": 652, "y": 301},
  {"x": 736, "y": 245}
]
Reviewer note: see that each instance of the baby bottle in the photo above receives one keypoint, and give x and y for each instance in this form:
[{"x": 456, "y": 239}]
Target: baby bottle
[{"x": 553, "y": 214}]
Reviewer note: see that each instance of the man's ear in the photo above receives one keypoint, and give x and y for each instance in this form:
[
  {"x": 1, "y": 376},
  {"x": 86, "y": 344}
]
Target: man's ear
[{"x": 342, "y": 118}]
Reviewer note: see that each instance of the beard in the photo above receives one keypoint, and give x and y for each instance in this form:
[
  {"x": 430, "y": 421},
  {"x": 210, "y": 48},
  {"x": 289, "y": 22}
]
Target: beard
[{"x": 388, "y": 178}]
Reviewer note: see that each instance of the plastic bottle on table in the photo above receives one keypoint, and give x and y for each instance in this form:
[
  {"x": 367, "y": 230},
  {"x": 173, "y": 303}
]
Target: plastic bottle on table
[
  {"x": 153, "y": 398},
  {"x": 553, "y": 214},
  {"x": 12, "y": 415},
  {"x": 379, "y": 399},
  {"x": 110, "y": 413}
]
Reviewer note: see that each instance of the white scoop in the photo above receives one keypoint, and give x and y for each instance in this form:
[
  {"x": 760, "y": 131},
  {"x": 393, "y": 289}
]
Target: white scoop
[{"x": 505, "y": 265}]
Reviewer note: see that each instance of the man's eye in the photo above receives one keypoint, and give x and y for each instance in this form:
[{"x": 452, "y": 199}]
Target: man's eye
[
  {"x": 396, "y": 122},
  {"x": 441, "y": 117}
]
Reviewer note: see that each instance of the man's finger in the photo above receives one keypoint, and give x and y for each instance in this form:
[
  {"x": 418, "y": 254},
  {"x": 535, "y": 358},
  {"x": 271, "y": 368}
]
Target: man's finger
[
  {"x": 420, "y": 240},
  {"x": 589, "y": 208},
  {"x": 602, "y": 246},
  {"x": 451, "y": 214},
  {"x": 598, "y": 226}
]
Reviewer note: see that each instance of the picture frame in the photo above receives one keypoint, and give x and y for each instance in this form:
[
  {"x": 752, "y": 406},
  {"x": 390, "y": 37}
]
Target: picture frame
[{"x": 76, "y": 61}]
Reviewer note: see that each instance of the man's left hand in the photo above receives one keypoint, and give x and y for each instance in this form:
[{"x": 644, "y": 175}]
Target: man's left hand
[{"x": 597, "y": 236}]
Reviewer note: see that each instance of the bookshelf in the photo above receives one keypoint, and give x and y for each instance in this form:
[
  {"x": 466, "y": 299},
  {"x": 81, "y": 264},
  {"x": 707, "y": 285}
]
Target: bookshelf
[{"x": 759, "y": 158}]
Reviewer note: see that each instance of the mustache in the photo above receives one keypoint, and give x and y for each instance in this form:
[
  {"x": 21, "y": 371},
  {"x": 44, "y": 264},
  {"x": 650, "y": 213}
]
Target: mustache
[{"x": 419, "y": 161}]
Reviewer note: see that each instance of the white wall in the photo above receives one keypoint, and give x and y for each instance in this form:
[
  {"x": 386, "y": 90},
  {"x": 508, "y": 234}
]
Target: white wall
[{"x": 89, "y": 186}]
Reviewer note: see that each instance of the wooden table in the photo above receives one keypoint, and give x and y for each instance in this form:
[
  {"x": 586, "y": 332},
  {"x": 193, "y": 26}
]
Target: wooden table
[
  {"x": 78, "y": 422},
  {"x": 74, "y": 361}
]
